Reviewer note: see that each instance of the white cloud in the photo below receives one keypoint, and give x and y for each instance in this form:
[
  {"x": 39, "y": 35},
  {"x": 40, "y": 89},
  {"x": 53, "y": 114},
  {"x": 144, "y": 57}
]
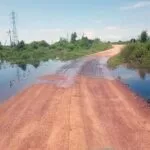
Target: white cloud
[
  {"x": 89, "y": 34},
  {"x": 139, "y": 4}
]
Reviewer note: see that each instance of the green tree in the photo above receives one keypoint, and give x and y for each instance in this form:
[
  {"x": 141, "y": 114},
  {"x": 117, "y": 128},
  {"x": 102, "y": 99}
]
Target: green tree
[
  {"x": 144, "y": 36},
  {"x": 20, "y": 45},
  {"x": 1, "y": 46},
  {"x": 133, "y": 40},
  {"x": 43, "y": 43},
  {"x": 73, "y": 37},
  {"x": 97, "y": 40},
  {"x": 85, "y": 42},
  {"x": 33, "y": 45}
]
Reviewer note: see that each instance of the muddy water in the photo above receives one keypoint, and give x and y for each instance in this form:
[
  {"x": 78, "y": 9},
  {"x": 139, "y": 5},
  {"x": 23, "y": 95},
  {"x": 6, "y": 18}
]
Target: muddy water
[{"x": 14, "y": 78}]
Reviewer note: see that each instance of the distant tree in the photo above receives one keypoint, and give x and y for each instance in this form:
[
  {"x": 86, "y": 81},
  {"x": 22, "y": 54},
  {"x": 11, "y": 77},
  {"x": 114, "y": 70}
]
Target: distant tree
[
  {"x": 43, "y": 43},
  {"x": 64, "y": 40},
  {"x": 62, "y": 43},
  {"x": 144, "y": 36},
  {"x": 84, "y": 42},
  {"x": 37, "y": 44},
  {"x": 97, "y": 40},
  {"x": 95, "y": 43},
  {"x": 20, "y": 45},
  {"x": 34, "y": 45},
  {"x": 1, "y": 46},
  {"x": 73, "y": 37},
  {"x": 133, "y": 40}
]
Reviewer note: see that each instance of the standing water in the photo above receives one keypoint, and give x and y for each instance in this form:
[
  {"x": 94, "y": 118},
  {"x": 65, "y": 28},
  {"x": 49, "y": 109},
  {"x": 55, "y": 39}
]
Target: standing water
[
  {"x": 138, "y": 80},
  {"x": 14, "y": 78}
]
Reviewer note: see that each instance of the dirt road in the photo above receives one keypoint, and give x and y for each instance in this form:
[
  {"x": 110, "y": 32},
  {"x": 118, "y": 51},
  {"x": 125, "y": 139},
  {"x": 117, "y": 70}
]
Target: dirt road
[{"x": 91, "y": 113}]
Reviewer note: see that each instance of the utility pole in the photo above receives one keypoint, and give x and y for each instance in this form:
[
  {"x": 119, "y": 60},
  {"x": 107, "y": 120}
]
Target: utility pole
[{"x": 14, "y": 39}]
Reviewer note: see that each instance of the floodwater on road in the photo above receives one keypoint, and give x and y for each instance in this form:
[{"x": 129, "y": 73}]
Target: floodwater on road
[
  {"x": 138, "y": 80},
  {"x": 14, "y": 78}
]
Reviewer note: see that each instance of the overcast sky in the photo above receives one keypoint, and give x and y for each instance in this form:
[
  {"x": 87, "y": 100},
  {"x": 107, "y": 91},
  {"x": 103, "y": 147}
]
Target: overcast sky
[{"x": 51, "y": 19}]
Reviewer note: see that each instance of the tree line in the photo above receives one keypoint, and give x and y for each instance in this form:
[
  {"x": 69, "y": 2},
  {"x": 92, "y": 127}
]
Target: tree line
[{"x": 63, "y": 49}]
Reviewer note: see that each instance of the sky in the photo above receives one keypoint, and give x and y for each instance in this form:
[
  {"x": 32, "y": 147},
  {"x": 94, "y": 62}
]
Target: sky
[{"x": 109, "y": 20}]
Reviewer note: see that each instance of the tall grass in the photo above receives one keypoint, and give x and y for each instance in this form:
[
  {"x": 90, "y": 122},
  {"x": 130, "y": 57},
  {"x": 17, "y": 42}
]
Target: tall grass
[{"x": 135, "y": 54}]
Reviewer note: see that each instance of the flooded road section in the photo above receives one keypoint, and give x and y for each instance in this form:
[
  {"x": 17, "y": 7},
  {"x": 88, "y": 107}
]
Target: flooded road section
[
  {"x": 15, "y": 78},
  {"x": 138, "y": 80}
]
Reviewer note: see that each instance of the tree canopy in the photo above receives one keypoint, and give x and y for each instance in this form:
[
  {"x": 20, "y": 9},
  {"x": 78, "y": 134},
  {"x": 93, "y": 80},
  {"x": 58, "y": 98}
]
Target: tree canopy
[
  {"x": 144, "y": 36},
  {"x": 73, "y": 37}
]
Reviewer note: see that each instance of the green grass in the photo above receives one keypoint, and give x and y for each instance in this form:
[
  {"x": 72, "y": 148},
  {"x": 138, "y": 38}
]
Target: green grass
[
  {"x": 136, "y": 55},
  {"x": 115, "y": 61}
]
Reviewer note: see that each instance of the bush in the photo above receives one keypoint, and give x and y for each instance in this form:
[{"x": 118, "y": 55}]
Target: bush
[{"x": 135, "y": 54}]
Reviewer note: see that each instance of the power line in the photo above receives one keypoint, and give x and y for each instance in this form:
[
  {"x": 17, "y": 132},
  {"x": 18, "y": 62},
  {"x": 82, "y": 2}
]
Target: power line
[{"x": 14, "y": 37}]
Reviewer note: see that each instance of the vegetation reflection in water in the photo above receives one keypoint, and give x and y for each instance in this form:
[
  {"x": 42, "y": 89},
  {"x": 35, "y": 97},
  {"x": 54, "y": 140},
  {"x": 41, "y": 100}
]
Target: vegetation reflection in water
[
  {"x": 138, "y": 80},
  {"x": 14, "y": 78}
]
